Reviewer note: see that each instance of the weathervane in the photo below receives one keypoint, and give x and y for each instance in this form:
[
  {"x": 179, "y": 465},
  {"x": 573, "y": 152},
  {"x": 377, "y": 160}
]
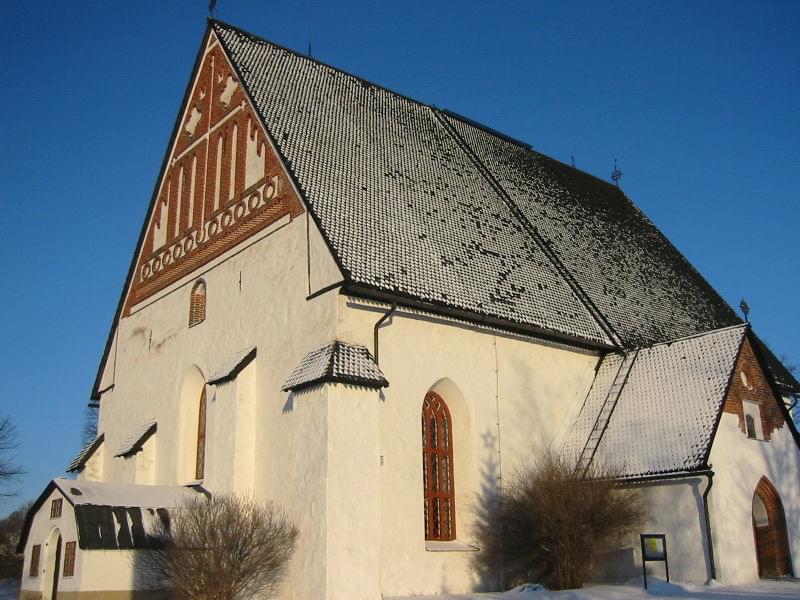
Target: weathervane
[
  {"x": 212, "y": 7},
  {"x": 745, "y": 309},
  {"x": 616, "y": 174}
]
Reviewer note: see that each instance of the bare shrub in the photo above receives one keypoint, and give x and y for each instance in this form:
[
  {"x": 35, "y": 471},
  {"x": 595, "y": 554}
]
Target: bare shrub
[
  {"x": 222, "y": 548},
  {"x": 10, "y": 530},
  {"x": 9, "y": 469},
  {"x": 552, "y": 524}
]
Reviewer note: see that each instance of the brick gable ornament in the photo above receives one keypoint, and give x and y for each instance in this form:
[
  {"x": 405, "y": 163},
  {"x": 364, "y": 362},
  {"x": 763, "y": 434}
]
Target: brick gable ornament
[{"x": 222, "y": 183}]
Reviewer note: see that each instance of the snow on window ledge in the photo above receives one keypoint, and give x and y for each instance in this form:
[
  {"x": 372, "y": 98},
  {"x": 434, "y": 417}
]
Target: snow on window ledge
[{"x": 451, "y": 546}]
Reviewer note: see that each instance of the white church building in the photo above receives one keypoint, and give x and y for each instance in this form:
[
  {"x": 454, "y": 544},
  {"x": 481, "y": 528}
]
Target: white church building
[{"x": 329, "y": 271}]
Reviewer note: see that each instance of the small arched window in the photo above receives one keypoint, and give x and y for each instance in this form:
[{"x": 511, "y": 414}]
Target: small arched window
[
  {"x": 200, "y": 465},
  {"x": 197, "y": 303},
  {"x": 437, "y": 469},
  {"x": 750, "y": 427}
]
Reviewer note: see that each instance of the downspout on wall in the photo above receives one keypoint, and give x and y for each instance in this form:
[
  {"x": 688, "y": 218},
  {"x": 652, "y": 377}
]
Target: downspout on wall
[
  {"x": 711, "y": 561},
  {"x": 375, "y": 332}
]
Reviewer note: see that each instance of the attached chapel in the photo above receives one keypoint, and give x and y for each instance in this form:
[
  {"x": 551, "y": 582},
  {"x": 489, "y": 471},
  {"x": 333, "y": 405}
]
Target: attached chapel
[{"x": 370, "y": 311}]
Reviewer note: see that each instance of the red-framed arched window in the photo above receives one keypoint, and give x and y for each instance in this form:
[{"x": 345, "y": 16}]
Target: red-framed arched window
[
  {"x": 437, "y": 469},
  {"x": 200, "y": 464}
]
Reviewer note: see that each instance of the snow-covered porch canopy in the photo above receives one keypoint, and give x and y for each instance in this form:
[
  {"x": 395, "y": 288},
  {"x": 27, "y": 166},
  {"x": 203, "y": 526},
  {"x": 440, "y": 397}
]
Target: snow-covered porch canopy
[{"x": 113, "y": 516}]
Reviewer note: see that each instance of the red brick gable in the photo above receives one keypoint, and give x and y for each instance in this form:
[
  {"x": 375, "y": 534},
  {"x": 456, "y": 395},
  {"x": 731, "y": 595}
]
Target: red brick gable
[
  {"x": 222, "y": 183},
  {"x": 753, "y": 387}
]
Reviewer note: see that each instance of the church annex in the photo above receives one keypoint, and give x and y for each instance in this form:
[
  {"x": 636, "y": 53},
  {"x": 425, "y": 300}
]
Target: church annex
[{"x": 330, "y": 271}]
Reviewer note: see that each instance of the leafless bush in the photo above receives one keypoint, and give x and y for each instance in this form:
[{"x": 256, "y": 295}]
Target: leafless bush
[
  {"x": 9, "y": 469},
  {"x": 222, "y": 548},
  {"x": 10, "y": 529},
  {"x": 552, "y": 524}
]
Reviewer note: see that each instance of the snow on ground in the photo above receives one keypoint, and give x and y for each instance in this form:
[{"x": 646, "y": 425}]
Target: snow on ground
[
  {"x": 9, "y": 589},
  {"x": 762, "y": 590}
]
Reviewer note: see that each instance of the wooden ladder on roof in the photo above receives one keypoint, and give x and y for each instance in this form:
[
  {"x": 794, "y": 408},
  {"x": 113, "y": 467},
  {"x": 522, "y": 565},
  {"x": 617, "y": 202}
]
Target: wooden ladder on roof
[{"x": 604, "y": 416}]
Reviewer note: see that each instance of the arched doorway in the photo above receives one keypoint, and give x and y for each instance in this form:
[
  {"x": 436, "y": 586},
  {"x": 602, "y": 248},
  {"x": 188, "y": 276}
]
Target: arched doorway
[
  {"x": 769, "y": 529},
  {"x": 52, "y": 566}
]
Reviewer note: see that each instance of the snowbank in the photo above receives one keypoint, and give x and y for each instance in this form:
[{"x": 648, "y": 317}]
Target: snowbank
[{"x": 763, "y": 590}]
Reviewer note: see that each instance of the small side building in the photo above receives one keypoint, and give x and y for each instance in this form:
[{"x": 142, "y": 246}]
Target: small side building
[{"x": 88, "y": 540}]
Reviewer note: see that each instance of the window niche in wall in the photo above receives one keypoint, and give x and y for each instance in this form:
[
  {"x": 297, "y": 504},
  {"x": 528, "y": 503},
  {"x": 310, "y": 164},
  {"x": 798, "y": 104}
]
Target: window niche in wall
[
  {"x": 437, "y": 471},
  {"x": 752, "y": 420},
  {"x": 197, "y": 303}
]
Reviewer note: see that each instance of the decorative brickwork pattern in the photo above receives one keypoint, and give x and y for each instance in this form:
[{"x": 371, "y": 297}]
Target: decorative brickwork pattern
[
  {"x": 197, "y": 303},
  {"x": 223, "y": 183},
  {"x": 750, "y": 384}
]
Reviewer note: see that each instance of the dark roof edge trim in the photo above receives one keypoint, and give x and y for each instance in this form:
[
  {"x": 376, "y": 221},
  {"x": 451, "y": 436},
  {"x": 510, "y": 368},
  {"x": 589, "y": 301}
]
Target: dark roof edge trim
[
  {"x": 317, "y": 61},
  {"x": 95, "y": 394},
  {"x": 238, "y": 368},
  {"x": 667, "y": 475},
  {"x": 368, "y": 292},
  {"x": 37, "y": 504},
  {"x": 85, "y": 454},
  {"x": 773, "y": 386},
  {"x": 137, "y": 445},
  {"x": 721, "y": 407},
  {"x": 285, "y": 163},
  {"x": 346, "y": 379}
]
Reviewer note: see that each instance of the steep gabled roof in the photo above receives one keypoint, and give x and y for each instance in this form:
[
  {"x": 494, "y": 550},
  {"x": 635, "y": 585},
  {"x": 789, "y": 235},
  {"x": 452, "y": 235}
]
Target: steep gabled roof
[
  {"x": 433, "y": 210},
  {"x": 667, "y": 410},
  {"x": 420, "y": 201}
]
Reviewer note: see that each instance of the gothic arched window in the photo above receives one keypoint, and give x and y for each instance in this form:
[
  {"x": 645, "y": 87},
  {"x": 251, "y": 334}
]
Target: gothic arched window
[
  {"x": 437, "y": 469},
  {"x": 197, "y": 303},
  {"x": 200, "y": 465}
]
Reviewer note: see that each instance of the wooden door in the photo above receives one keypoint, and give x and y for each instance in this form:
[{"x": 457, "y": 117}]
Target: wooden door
[{"x": 769, "y": 530}]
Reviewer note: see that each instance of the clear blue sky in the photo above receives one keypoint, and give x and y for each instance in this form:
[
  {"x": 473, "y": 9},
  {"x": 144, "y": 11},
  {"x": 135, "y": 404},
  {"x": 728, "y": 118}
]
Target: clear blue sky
[{"x": 698, "y": 101}]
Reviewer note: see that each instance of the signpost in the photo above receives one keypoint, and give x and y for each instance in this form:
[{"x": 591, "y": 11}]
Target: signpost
[{"x": 654, "y": 549}]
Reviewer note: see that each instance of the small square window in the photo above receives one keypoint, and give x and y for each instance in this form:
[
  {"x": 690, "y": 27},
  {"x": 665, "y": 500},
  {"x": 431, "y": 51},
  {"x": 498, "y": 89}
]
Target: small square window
[
  {"x": 55, "y": 508},
  {"x": 752, "y": 420}
]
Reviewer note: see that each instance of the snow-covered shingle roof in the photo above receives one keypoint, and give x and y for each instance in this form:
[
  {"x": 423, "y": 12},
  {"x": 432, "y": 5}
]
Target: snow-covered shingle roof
[
  {"x": 86, "y": 452},
  {"x": 232, "y": 366},
  {"x": 419, "y": 202},
  {"x": 336, "y": 362},
  {"x": 136, "y": 440},
  {"x": 665, "y": 415}
]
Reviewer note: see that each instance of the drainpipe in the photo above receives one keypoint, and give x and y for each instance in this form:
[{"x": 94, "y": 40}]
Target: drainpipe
[
  {"x": 712, "y": 563},
  {"x": 377, "y": 327}
]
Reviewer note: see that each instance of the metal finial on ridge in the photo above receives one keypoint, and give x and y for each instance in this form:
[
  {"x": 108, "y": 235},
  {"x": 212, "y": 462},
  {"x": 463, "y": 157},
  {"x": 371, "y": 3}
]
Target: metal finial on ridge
[{"x": 616, "y": 174}]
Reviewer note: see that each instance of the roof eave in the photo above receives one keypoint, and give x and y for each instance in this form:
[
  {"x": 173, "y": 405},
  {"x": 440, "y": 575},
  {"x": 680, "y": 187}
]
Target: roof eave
[
  {"x": 375, "y": 293},
  {"x": 96, "y": 392}
]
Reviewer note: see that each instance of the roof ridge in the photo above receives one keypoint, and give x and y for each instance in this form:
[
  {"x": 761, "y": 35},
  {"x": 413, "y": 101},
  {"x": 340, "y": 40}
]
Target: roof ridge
[
  {"x": 534, "y": 234},
  {"x": 696, "y": 335},
  {"x": 263, "y": 40},
  {"x": 491, "y": 130}
]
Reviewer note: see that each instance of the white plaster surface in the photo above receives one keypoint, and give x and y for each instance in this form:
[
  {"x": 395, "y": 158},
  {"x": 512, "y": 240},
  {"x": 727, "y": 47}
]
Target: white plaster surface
[{"x": 740, "y": 463}]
